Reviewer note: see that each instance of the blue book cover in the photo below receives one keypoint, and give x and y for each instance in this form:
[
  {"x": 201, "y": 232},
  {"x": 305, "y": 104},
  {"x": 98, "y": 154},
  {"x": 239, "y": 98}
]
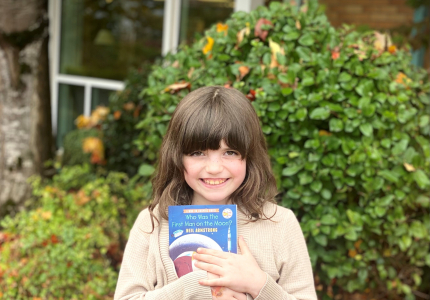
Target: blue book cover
[{"x": 194, "y": 226}]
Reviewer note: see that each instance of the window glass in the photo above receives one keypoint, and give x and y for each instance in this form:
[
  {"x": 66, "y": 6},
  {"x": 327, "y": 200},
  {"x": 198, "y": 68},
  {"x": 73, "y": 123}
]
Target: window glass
[
  {"x": 100, "y": 97},
  {"x": 196, "y": 16},
  {"x": 70, "y": 106},
  {"x": 104, "y": 38}
]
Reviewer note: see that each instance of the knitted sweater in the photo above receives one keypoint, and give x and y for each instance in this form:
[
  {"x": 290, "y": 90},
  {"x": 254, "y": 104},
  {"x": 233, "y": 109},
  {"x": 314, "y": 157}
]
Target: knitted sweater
[{"x": 147, "y": 272}]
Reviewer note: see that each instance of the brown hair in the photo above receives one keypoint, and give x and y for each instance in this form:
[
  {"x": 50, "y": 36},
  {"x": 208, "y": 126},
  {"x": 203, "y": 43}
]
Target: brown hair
[{"x": 201, "y": 121}]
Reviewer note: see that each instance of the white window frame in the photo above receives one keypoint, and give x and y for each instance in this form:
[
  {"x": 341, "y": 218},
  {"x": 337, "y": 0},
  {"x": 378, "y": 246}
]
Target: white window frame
[{"x": 170, "y": 41}]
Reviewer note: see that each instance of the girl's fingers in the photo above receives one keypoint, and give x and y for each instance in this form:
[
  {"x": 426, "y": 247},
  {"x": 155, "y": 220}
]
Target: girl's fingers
[
  {"x": 243, "y": 246},
  {"x": 211, "y": 282},
  {"x": 214, "y": 269},
  {"x": 213, "y": 252},
  {"x": 208, "y": 259}
]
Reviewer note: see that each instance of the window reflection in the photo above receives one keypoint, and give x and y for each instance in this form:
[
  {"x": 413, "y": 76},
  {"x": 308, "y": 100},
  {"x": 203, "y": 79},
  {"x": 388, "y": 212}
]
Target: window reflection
[
  {"x": 198, "y": 15},
  {"x": 70, "y": 106},
  {"x": 104, "y": 38}
]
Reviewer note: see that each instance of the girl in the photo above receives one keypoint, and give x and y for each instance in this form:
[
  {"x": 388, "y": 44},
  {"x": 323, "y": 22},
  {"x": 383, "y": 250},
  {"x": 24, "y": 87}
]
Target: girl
[{"x": 214, "y": 152}]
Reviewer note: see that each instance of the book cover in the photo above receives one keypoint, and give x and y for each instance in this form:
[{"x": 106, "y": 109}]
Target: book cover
[{"x": 194, "y": 226}]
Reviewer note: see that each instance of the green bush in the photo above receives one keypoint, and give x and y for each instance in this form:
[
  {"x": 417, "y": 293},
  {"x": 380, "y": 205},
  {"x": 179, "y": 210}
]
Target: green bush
[
  {"x": 346, "y": 119},
  {"x": 73, "y": 153},
  {"x": 69, "y": 246}
]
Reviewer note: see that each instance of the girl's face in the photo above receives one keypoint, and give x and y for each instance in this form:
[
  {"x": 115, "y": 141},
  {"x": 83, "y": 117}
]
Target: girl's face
[{"x": 214, "y": 174}]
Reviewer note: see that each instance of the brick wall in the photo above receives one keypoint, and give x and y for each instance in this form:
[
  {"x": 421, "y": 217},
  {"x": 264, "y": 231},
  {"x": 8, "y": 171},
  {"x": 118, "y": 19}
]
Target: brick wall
[{"x": 378, "y": 14}]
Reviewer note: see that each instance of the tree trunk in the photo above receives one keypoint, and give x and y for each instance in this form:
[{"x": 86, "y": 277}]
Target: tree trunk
[{"x": 25, "y": 109}]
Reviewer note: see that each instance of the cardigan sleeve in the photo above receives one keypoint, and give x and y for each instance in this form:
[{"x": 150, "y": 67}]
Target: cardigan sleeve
[
  {"x": 137, "y": 277},
  {"x": 296, "y": 279}
]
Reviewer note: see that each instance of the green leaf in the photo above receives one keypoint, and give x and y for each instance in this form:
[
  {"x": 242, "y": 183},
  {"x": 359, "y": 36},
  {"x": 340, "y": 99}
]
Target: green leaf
[
  {"x": 283, "y": 78},
  {"x": 344, "y": 77},
  {"x": 146, "y": 170},
  {"x": 289, "y": 171},
  {"x": 421, "y": 179},
  {"x": 335, "y": 125},
  {"x": 306, "y": 40},
  {"x": 301, "y": 114},
  {"x": 316, "y": 186},
  {"x": 320, "y": 113},
  {"x": 321, "y": 239},
  {"x": 328, "y": 220},
  {"x": 304, "y": 53},
  {"x": 424, "y": 121},
  {"x": 366, "y": 129},
  {"x": 354, "y": 217},
  {"x": 388, "y": 175},
  {"x": 290, "y": 36},
  {"x": 286, "y": 91},
  {"x": 326, "y": 194},
  {"x": 305, "y": 178},
  {"x": 267, "y": 129}
]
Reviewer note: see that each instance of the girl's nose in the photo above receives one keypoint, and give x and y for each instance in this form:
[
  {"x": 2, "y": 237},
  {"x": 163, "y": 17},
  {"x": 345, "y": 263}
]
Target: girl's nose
[{"x": 214, "y": 166}]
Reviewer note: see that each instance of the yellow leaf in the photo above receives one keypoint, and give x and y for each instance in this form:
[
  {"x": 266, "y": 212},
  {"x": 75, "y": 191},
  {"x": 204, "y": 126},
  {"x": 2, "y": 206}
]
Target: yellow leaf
[
  {"x": 209, "y": 45},
  {"x": 324, "y": 133},
  {"x": 408, "y": 167},
  {"x": 298, "y": 25},
  {"x": 275, "y": 48},
  {"x": 46, "y": 215},
  {"x": 386, "y": 253}
]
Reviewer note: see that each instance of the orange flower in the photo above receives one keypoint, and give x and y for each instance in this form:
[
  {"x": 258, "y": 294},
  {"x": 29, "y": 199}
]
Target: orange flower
[
  {"x": 401, "y": 78},
  {"x": 82, "y": 121},
  {"x": 392, "y": 49},
  {"x": 220, "y": 27},
  {"x": 335, "y": 54},
  {"x": 117, "y": 115},
  {"x": 209, "y": 45},
  {"x": 94, "y": 146}
]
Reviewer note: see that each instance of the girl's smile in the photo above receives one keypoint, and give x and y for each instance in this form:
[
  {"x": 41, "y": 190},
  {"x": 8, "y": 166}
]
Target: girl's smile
[{"x": 214, "y": 174}]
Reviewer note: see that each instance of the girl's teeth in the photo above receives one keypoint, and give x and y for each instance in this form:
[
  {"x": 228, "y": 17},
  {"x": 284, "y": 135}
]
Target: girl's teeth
[{"x": 212, "y": 182}]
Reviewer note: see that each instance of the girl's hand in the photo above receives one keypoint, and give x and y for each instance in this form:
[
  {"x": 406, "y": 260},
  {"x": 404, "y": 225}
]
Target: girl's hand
[
  {"x": 240, "y": 273},
  {"x": 223, "y": 293}
]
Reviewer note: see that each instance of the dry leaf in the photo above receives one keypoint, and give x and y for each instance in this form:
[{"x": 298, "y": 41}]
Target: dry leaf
[
  {"x": 176, "y": 87},
  {"x": 129, "y": 106},
  {"x": 190, "y": 73},
  {"x": 382, "y": 41},
  {"x": 258, "y": 32},
  {"x": 357, "y": 244},
  {"x": 298, "y": 25},
  {"x": 175, "y": 64},
  {"x": 409, "y": 167},
  {"x": 243, "y": 70},
  {"x": 352, "y": 253}
]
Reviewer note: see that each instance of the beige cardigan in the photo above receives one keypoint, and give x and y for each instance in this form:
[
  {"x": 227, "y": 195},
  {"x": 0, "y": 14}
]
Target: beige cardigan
[{"x": 147, "y": 272}]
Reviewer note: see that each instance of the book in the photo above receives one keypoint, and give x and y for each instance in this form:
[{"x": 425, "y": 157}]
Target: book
[{"x": 194, "y": 226}]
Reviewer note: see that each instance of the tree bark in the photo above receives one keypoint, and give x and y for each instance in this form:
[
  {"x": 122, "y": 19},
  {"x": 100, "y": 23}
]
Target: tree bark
[{"x": 25, "y": 109}]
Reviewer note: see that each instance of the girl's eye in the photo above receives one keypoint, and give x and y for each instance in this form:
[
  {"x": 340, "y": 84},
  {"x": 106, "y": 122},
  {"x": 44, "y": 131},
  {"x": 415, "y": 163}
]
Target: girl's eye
[
  {"x": 231, "y": 153},
  {"x": 196, "y": 153}
]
